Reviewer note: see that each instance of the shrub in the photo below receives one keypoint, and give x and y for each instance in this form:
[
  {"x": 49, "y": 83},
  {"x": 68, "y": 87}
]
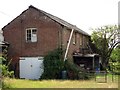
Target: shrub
[
  {"x": 6, "y": 72},
  {"x": 4, "y": 64},
  {"x": 74, "y": 71},
  {"x": 6, "y": 84},
  {"x": 53, "y": 64}
]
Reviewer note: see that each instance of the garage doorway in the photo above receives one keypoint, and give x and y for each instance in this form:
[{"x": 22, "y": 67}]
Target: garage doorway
[{"x": 31, "y": 67}]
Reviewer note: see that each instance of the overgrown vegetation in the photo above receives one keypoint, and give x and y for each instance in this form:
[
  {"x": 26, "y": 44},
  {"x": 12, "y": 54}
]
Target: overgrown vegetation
[
  {"x": 115, "y": 60},
  {"x": 4, "y": 68},
  {"x": 54, "y": 65},
  {"x": 4, "y": 65},
  {"x": 74, "y": 71},
  {"x": 6, "y": 84}
]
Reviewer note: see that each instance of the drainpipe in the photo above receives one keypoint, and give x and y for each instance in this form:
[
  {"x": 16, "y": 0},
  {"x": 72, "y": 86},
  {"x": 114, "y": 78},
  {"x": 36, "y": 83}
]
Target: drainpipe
[{"x": 68, "y": 44}]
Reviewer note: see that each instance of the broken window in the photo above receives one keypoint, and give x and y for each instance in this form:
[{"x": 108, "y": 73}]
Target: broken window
[{"x": 31, "y": 35}]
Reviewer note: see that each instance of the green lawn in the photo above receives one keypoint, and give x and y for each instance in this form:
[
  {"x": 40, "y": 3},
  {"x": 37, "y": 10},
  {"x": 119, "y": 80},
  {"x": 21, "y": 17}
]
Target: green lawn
[{"x": 21, "y": 83}]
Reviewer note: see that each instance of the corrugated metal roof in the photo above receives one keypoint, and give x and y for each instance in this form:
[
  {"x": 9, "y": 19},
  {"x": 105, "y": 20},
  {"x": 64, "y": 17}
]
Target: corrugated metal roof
[{"x": 62, "y": 22}]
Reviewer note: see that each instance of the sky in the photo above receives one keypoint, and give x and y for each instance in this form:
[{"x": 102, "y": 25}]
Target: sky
[{"x": 85, "y": 14}]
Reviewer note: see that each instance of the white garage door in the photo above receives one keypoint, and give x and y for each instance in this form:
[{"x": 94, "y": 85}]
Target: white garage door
[{"x": 31, "y": 67}]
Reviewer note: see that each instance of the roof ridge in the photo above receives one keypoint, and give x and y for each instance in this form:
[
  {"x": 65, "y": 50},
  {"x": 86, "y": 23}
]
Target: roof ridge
[
  {"x": 61, "y": 21},
  {"x": 48, "y": 14},
  {"x": 55, "y": 18}
]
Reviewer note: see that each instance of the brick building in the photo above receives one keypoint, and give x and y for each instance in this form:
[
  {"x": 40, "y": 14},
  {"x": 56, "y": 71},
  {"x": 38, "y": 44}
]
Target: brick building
[{"x": 34, "y": 33}]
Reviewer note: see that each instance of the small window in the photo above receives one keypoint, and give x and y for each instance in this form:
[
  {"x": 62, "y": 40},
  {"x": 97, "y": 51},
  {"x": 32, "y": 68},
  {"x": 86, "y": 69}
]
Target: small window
[
  {"x": 84, "y": 41},
  {"x": 80, "y": 40},
  {"x": 74, "y": 38},
  {"x": 31, "y": 35}
]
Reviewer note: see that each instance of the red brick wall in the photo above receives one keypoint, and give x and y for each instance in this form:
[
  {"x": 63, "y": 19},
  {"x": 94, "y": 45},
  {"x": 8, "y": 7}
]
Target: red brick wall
[
  {"x": 47, "y": 34},
  {"x": 15, "y": 34},
  {"x": 73, "y": 47}
]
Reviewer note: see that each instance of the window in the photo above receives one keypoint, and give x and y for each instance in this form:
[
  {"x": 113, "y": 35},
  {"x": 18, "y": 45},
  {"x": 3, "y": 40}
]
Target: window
[
  {"x": 31, "y": 35},
  {"x": 80, "y": 40},
  {"x": 84, "y": 41},
  {"x": 74, "y": 38}
]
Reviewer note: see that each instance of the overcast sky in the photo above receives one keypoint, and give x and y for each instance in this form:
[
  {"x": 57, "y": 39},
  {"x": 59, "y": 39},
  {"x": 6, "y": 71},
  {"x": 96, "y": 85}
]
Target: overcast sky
[{"x": 85, "y": 14}]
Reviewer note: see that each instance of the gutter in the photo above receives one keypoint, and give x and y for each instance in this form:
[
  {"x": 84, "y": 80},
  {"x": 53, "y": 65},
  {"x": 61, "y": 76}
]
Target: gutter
[{"x": 65, "y": 57}]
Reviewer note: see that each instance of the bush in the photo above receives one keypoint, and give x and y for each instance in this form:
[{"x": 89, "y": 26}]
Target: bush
[
  {"x": 6, "y": 72},
  {"x": 4, "y": 64},
  {"x": 5, "y": 69},
  {"x": 53, "y": 64},
  {"x": 74, "y": 71},
  {"x": 6, "y": 84}
]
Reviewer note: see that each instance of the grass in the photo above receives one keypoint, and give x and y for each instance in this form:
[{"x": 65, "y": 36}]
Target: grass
[{"x": 21, "y": 83}]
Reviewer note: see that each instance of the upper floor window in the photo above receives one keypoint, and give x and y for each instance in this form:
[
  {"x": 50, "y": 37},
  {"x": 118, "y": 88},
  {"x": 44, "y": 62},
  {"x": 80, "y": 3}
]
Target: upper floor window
[
  {"x": 74, "y": 38},
  {"x": 80, "y": 38},
  {"x": 31, "y": 35}
]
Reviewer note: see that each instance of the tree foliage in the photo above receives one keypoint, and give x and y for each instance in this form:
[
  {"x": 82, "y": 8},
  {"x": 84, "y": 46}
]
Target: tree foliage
[
  {"x": 105, "y": 39},
  {"x": 115, "y": 60},
  {"x": 53, "y": 64},
  {"x": 115, "y": 56}
]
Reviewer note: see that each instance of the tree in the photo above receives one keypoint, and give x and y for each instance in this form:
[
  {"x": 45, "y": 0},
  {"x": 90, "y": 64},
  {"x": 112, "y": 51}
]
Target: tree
[
  {"x": 115, "y": 60},
  {"x": 105, "y": 39}
]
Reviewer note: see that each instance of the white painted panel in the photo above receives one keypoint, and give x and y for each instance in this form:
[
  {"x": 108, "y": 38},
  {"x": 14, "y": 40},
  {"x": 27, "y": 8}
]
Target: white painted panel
[
  {"x": 31, "y": 68},
  {"x": 22, "y": 70},
  {"x": 27, "y": 69}
]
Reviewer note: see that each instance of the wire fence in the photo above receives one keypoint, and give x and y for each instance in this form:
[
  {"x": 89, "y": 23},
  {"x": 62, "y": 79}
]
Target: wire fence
[{"x": 103, "y": 76}]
